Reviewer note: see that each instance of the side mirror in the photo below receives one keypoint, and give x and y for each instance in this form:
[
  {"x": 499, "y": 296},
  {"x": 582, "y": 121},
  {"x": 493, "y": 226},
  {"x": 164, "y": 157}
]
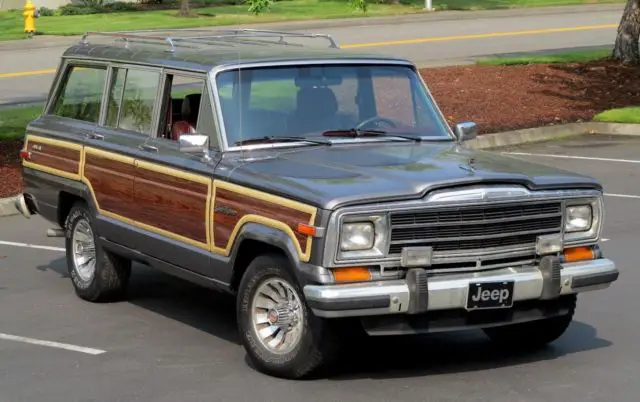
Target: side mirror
[
  {"x": 193, "y": 143},
  {"x": 466, "y": 131}
]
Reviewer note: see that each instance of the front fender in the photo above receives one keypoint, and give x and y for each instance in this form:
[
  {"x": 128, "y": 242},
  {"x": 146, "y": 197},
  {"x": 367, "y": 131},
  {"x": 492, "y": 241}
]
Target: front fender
[{"x": 274, "y": 237}]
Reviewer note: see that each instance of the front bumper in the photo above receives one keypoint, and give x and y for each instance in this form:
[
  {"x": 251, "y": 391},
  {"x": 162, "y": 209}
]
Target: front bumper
[{"x": 418, "y": 293}]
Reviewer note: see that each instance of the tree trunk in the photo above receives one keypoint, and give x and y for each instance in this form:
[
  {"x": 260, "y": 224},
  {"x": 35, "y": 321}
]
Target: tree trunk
[
  {"x": 626, "y": 46},
  {"x": 184, "y": 8}
]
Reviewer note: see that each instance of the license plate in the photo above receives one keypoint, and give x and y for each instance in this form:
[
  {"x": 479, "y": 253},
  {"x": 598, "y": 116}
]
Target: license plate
[{"x": 490, "y": 295}]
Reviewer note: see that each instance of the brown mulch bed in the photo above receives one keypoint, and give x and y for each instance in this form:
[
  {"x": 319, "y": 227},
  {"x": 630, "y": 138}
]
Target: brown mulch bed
[
  {"x": 502, "y": 98},
  {"x": 10, "y": 177},
  {"x": 498, "y": 98}
]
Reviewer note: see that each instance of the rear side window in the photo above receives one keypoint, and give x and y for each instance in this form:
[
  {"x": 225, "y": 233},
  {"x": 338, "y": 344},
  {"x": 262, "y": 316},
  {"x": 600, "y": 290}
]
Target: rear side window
[
  {"x": 132, "y": 97},
  {"x": 81, "y": 94}
]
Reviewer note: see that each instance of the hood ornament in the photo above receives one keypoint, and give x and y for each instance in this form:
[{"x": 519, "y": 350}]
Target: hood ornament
[{"x": 470, "y": 166}]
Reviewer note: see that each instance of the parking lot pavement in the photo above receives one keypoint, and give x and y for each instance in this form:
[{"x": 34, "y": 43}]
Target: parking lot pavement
[{"x": 173, "y": 341}]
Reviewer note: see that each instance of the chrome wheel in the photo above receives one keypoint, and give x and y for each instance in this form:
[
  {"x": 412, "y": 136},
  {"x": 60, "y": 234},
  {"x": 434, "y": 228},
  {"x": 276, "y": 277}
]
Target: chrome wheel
[
  {"x": 84, "y": 250},
  {"x": 277, "y": 316}
]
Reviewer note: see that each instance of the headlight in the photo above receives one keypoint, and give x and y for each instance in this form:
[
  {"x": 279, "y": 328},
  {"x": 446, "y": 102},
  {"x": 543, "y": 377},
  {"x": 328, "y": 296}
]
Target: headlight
[
  {"x": 357, "y": 236},
  {"x": 362, "y": 237},
  {"x": 578, "y": 218},
  {"x": 582, "y": 221}
]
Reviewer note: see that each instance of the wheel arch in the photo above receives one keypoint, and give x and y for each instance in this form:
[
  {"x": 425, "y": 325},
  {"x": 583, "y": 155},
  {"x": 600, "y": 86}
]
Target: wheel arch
[{"x": 256, "y": 239}]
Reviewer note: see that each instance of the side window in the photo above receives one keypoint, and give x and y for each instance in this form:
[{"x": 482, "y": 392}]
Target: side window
[
  {"x": 81, "y": 94},
  {"x": 187, "y": 109},
  {"x": 132, "y": 97}
]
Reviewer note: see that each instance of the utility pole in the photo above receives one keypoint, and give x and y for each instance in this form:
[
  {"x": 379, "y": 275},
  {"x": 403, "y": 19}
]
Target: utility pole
[{"x": 428, "y": 6}]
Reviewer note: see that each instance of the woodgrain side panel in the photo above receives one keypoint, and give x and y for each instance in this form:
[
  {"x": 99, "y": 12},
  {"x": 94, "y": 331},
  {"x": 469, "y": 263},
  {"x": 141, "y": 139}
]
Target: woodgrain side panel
[
  {"x": 54, "y": 156},
  {"x": 231, "y": 206},
  {"x": 112, "y": 183},
  {"x": 171, "y": 203}
]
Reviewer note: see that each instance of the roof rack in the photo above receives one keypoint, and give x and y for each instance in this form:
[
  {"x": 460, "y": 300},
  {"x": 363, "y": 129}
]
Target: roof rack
[{"x": 227, "y": 37}]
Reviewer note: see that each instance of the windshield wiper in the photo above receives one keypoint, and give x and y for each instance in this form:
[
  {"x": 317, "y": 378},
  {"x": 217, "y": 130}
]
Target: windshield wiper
[
  {"x": 274, "y": 138},
  {"x": 356, "y": 132}
]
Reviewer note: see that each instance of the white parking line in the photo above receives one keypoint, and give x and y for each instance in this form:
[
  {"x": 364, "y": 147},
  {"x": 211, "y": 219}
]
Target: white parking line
[
  {"x": 27, "y": 245},
  {"x": 57, "y": 345},
  {"x": 591, "y": 158}
]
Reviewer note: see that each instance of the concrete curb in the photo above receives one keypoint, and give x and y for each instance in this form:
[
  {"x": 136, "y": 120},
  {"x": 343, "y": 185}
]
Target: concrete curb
[
  {"x": 46, "y": 41},
  {"x": 6, "y": 206},
  {"x": 538, "y": 134}
]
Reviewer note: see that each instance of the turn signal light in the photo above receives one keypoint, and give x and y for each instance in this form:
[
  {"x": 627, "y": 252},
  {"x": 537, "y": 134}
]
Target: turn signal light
[
  {"x": 352, "y": 274},
  {"x": 306, "y": 230},
  {"x": 578, "y": 254}
]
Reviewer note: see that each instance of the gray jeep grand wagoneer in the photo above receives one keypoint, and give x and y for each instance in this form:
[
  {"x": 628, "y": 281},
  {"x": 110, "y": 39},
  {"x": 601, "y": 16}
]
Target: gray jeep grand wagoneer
[{"x": 322, "y": 188}]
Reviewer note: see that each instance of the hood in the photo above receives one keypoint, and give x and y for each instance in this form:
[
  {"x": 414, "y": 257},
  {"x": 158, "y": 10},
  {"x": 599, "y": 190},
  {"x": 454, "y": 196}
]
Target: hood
[{"x": 339, "y": 175}]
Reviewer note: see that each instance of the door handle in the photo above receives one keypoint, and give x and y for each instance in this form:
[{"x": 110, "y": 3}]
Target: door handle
[
  {"x": 94, "y": 136},
  {"x": 148, "y": 148}
]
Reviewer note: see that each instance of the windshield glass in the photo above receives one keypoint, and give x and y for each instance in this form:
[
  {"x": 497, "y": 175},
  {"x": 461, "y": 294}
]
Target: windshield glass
[{"x": 311, "y": 100}]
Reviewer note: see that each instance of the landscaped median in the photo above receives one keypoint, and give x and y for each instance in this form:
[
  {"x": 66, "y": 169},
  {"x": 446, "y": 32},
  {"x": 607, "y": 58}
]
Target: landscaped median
[
  {"x": 76, "y": 19},
  {"x": 498, "y": 97}
]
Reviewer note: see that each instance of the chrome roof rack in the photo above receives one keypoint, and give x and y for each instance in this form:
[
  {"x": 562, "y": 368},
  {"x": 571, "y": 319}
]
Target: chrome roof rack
[{"x": 226, "y": 37}]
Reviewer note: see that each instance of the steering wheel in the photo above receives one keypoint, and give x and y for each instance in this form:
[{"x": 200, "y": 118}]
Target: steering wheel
[{"x": 377, "y": 120}]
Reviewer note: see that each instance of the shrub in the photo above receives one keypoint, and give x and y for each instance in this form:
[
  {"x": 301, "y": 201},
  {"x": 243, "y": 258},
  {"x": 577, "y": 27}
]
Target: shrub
[
  {"x": 97, "y": 7},
  {"x": 46, "y": 12}
]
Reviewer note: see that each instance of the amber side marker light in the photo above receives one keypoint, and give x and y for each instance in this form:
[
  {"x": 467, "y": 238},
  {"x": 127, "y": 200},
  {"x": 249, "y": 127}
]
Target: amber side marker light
[
  {"x": 352, "y": 274},
  {"x": 578, "y": 254},
  {"x": 306, "y": 230}
]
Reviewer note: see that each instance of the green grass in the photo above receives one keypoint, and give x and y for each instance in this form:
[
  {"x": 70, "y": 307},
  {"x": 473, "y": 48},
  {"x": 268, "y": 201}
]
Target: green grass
[
  {"x": 622, "y": 115},
  {"x": 14, "y": 120},
  {"x": 11, "y": 22},
  {"x": 571, "y": 57}
]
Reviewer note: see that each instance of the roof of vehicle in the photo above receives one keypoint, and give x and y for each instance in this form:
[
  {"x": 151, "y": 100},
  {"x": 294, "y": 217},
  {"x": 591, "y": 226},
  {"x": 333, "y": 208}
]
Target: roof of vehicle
[{"x": 223, "y": 48}]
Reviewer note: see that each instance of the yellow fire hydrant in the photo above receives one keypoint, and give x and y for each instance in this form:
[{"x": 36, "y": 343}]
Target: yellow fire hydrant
[{"x": 30, "y": 14}]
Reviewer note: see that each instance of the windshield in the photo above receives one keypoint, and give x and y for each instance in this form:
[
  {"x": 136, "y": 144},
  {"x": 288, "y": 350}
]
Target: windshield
[{"x": 307, "y": 101}]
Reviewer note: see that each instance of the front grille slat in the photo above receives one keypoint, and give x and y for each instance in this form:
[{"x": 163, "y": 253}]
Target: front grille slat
[{"x": 476, "y": 228}]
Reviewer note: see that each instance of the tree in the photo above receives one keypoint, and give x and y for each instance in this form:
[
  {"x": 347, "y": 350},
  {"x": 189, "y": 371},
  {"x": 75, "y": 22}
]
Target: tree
[
  {"x": 184, "y": 8},
  {"x": 628, "y": 38}
]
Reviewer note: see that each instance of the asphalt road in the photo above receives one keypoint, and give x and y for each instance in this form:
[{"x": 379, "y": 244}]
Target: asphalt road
[
  {"x": 26, "y": 74},
  {"x": 173, "y": 341}
]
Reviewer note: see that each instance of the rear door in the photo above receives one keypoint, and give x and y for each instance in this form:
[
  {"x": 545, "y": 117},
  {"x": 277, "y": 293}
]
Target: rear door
[{"x": 173, "y": 189}]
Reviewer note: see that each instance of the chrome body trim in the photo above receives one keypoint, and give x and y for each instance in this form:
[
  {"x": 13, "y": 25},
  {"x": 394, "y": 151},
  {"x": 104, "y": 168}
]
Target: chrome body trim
[{"x": 447, "y": 292}]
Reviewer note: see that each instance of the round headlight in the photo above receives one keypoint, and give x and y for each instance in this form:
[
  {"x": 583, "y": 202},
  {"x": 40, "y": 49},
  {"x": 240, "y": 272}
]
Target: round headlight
[
  {"x": 578, "y": 218},
  {"x": 357, "y": 236}
]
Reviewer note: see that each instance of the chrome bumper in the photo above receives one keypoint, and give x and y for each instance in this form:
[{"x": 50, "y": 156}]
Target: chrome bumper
[{"x": 446, "y": 292}]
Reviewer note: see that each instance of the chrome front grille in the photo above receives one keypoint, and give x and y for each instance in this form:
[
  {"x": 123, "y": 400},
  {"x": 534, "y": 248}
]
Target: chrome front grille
[{"x": 481, "y": 236}]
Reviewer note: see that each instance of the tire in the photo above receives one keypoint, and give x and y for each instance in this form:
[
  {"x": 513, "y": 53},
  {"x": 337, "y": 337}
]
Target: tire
[
  {"x": 317, "y": 344},
  {"x": 533, "y": 334},
  {"x": 109, "y": 278}
]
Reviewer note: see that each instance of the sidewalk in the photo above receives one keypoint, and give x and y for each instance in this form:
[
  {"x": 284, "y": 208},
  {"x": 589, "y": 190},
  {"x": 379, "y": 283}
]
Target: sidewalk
[{"x": 46, "y": 41}]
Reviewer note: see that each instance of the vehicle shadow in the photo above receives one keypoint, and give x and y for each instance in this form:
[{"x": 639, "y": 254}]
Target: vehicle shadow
[
  {"x": 458, "y": 352},
  {"x": 362, "y": 357},
  {"x": 201, "y": 308}
]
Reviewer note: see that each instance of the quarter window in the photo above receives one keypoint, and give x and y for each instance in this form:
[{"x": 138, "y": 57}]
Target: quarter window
[
  {"x": 81, "y": 94},
  {"x": 132, "y": 97}
]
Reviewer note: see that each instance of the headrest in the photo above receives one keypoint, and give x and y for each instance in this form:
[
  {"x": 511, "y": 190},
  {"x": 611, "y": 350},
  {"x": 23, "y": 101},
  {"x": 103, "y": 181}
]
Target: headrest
[
  {"x": 191, "y": 106},
  {"x": 321, "y": 100}
]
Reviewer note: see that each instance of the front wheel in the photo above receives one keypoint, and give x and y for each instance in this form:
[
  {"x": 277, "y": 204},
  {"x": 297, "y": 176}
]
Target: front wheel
[
  {"x": 282, "y": 336},
  {"x": 534, "y": 334}
]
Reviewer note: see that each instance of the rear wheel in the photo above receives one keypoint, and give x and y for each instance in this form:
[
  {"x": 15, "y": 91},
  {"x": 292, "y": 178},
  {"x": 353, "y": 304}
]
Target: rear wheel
[
  {"x": 96, "y": 274},
  {"x": 282, "y": 336},
  {"x": 534, "y": 334}
]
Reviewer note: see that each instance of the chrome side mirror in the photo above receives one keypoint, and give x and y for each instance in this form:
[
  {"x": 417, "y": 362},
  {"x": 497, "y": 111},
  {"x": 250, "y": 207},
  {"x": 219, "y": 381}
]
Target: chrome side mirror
[
  {"x": 466, "y": 131},
  {"x": 195, "y": 143}
]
